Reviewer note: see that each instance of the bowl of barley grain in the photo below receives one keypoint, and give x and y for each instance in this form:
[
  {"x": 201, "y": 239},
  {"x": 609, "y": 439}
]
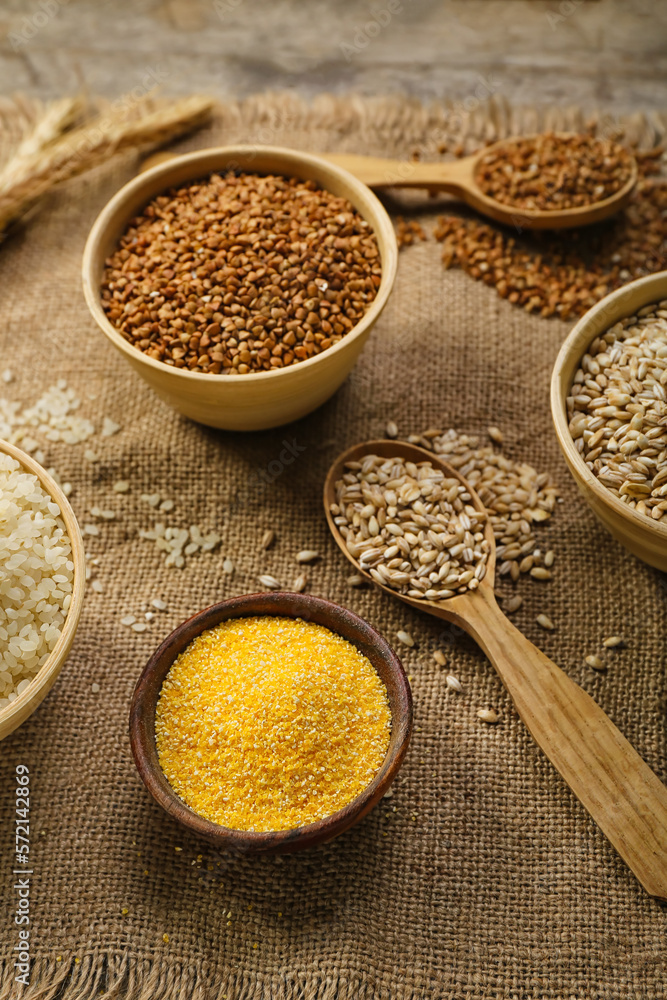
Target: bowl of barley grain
[
  {"x": 241, "y": 283},
  {"x": 609, "y": 406}
]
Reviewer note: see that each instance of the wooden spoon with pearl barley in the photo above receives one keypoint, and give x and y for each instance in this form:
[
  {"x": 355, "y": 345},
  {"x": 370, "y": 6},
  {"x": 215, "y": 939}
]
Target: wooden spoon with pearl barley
[{"x": 619, "y": 790}]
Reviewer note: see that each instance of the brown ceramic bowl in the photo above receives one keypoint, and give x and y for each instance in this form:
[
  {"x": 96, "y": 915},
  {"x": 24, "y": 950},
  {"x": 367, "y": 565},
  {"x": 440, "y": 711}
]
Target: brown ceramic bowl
[{"x": 341, "y": 621}]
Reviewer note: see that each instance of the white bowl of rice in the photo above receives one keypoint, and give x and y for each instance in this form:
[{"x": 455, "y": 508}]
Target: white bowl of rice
[{"x": 42, "y": 580}]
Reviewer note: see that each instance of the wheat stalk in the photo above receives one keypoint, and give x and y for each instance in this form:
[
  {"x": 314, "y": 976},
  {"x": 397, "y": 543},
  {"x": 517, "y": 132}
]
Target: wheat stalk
[
  {"x": 55, "y": 119},
  {"x": 49, "y": 155}
]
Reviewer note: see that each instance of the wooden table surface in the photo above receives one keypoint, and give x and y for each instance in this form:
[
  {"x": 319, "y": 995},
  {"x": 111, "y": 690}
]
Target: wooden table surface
[{"x": 607, "y": 53}]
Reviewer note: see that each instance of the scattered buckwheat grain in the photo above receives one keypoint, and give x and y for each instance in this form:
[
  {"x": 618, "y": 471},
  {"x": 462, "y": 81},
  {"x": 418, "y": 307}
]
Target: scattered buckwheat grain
[
  {"x": 408, "y": 232},
  {"x": 548, "y": 273}
]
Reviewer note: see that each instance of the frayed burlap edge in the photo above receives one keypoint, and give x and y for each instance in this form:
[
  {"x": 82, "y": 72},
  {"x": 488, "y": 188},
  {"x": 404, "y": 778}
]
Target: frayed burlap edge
[
  {"x": 472, "y": 121},
  {"x": 118, "y": 977}
]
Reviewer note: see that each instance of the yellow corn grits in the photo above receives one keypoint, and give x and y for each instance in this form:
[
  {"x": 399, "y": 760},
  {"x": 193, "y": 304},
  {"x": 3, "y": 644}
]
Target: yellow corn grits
[{"x": 270, "y": 723}]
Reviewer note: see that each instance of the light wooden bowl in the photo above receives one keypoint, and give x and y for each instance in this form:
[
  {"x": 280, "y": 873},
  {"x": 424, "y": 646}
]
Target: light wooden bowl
[
  {"x": 262, "y": 399},
  {"x": 18, "y": 710},
  {"x": 314, "y": 609},
  {"x": 645, "y": 538}
]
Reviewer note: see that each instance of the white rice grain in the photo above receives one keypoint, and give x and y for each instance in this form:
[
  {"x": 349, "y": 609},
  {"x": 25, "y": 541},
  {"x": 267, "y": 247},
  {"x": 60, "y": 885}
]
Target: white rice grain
[{"x": 37, "y": 577}]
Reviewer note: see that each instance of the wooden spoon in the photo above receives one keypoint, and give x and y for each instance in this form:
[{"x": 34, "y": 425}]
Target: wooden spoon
[
  {"x": 620, "y": 791},
  {"x": 458, "y": 177}
]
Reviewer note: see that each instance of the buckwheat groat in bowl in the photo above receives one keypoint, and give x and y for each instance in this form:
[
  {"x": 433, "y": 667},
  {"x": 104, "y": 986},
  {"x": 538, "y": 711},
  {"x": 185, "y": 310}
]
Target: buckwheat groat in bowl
[
  {"x": 609, "y": 405},
  {"x": 241, "y": 283},
  {"x": 41, "y": 584}
]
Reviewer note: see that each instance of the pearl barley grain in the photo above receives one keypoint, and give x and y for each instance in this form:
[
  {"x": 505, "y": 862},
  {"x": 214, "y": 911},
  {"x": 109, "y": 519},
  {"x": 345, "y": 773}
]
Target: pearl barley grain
[
  {"x": 268, "y": 538},
  {"x": 411, "y": 527},
  {"x": 617, "y": 406},
  {"x": 307, "y": 556}
]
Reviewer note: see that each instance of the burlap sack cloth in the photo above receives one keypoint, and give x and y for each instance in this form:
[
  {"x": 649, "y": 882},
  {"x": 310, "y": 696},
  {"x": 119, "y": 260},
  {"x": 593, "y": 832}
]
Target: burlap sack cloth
[{"x": 482, "y": 876}]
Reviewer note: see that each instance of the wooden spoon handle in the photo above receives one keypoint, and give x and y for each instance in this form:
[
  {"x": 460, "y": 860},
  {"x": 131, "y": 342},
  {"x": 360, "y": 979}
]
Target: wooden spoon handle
[
  {"x": 455, "y": 177},
  {"x": 620, "y": 791}
]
